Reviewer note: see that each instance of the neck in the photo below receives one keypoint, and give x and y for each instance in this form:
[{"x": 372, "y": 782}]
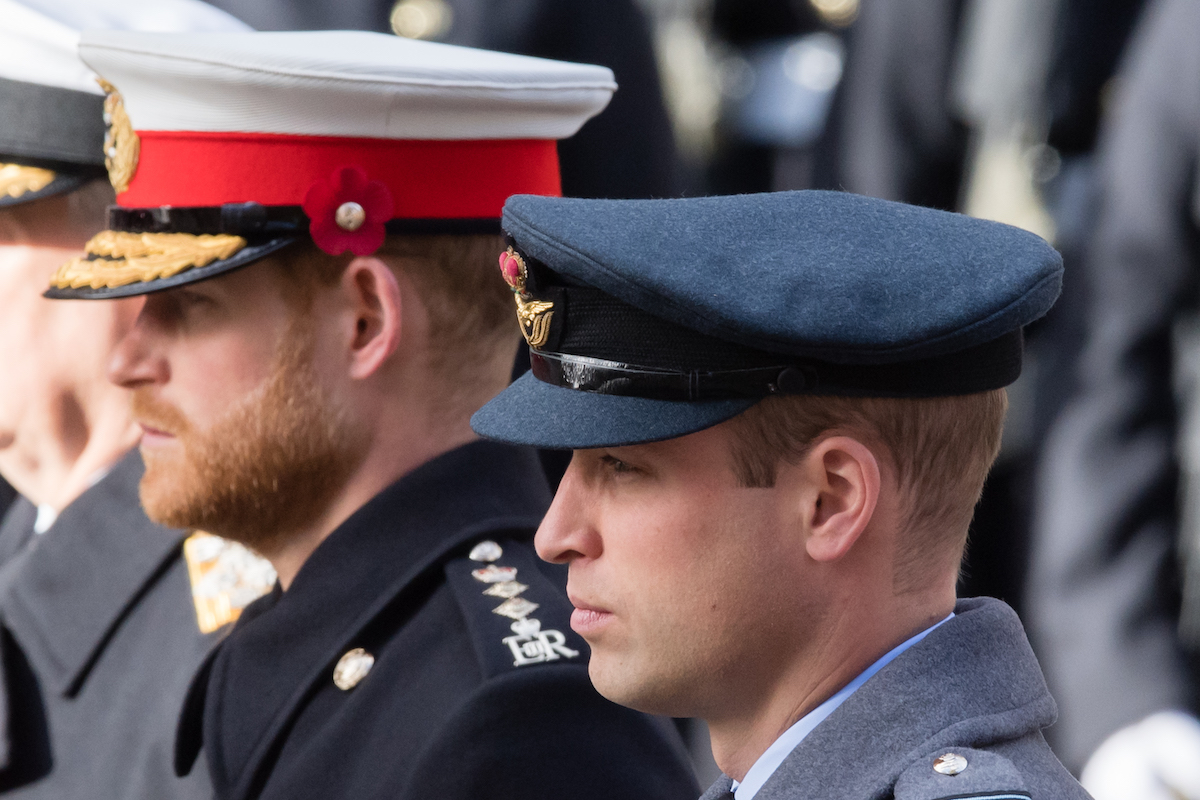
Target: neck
[
  {"x": 851, "y": 640},
  {"x": 53, "y": 459},
  {"x": 396, "y": 450}
]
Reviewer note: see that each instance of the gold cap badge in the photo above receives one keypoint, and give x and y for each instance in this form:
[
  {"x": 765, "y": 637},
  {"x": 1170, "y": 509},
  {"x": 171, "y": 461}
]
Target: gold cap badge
[
  {"x": 121, "y": 143},
  {"x": 533, "y": 316}
]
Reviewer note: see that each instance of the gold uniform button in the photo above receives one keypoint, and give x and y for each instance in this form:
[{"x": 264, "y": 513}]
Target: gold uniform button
[
  {"x": 949, "y": 764},
  {"x": 352, "y": 668}
]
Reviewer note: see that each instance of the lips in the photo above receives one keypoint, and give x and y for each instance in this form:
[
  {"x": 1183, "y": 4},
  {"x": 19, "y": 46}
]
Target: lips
[
  {"x": 150, "y": 434},
  {"x": 587, "y": 618}
]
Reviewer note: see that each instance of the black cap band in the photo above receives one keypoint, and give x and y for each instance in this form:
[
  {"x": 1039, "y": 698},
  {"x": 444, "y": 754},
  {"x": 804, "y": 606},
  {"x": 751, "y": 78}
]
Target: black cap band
[
  {"x": 992, "y": 365},
  {"x": 52, "y": 128},
  {"x": 255, "y": 220},
  {"x": 594, "y": 342}
]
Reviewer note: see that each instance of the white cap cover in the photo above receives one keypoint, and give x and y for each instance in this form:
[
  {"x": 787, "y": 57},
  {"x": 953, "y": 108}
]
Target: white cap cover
[
  {"x": 39, "y": 39},
  {"x": 343, "y": 83}
]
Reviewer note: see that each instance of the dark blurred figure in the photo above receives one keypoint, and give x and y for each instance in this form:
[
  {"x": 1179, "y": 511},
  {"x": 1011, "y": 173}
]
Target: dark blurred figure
[
  {"x": 7, "y": 495},
  {"x": 900, "y": 130},
  {"x": 894, "y": 134},
  {"x": 1104, "y": 592},
  {"x": 757, "y": 34},
  {"x": 627, "y": 151},
  {"x": 1088, "y": 40}
]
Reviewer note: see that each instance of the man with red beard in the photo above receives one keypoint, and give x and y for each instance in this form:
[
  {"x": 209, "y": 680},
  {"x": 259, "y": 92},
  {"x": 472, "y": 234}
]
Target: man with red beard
[{"x": 314, "y": 220}]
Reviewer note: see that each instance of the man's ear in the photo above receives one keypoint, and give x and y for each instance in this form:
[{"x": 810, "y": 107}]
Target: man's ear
[
  {"x": 375, "y": 305},
  {"x": 846, "y": 476}
]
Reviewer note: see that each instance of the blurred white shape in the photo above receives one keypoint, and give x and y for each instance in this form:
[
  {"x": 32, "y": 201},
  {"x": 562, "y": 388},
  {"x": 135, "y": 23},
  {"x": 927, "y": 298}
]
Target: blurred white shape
[
  {"x": 421, "y": 19},
  {"x": 791, "y": 91},
  {"x": 691, "y": 83},
  {"x": 836, "y": 12},
  {"x": 1155, "y": 759},
  {"x": 814, "y": 62}
]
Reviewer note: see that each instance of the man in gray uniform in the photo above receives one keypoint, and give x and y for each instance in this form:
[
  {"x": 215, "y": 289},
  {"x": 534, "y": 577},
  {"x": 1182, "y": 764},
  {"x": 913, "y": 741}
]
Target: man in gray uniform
[
  {"x": 98, "y": 631},
  {"x": 783, "y": 408}
]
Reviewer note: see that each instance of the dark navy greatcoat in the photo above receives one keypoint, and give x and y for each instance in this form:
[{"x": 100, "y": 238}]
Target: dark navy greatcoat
[
  {"x": 99, "y": 640},
  {"x": 449, "y": 709}
]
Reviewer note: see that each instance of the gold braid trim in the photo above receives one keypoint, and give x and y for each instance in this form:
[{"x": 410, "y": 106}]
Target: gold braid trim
[
  {"x": 117, "y": 258},
  {"x": 17, "y": 179}
]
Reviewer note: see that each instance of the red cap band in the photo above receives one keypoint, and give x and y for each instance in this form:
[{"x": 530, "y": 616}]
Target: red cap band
[{"x": 428, "y": 179}]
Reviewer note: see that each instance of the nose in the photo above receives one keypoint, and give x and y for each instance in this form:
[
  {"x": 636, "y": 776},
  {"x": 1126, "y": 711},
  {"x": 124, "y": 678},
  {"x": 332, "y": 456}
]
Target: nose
[
  {"x": 567, "y": 532},
  {"x": 135, "y": 360}
]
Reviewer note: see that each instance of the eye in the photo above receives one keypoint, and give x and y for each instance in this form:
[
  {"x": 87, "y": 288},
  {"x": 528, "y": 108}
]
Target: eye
[
  {"x": 617, "y": 465},
  {"x": 191, "y": 298}
]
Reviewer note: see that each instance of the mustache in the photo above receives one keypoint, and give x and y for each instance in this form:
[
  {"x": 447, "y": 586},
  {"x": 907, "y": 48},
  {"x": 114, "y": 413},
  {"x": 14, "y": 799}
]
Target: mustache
[{"x": 154, "y": 413}]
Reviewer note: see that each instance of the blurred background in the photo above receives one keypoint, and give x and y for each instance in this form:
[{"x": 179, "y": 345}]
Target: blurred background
[{"x": 1076, "y": 119}]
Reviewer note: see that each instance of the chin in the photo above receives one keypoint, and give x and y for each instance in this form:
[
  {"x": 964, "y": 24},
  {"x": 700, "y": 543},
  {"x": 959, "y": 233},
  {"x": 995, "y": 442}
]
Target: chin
[{"x": 648, "y": 692}]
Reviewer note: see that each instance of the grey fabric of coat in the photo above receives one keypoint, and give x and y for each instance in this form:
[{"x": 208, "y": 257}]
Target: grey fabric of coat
[
  {"x": 99, "y": 640},
  {"x": 972, "y": 687}
]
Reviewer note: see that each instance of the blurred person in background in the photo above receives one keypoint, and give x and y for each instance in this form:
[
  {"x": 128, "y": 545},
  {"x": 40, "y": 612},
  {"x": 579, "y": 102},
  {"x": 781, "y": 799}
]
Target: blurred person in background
[
  {"x": 1115, "y": 529},
  {"x": 894, "y": 133},
  {"x": 988, "y": 107},
  {"x": 100, "y": 632}
]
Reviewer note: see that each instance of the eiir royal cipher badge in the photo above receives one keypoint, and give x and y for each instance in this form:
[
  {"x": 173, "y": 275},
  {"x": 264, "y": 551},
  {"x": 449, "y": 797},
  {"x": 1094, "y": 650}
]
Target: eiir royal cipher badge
[{"x": 529, "y": 644}]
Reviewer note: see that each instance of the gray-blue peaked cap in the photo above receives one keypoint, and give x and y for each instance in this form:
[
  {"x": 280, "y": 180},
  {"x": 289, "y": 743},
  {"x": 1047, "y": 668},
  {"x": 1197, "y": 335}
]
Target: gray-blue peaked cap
[{"x": 651, "y": 319}]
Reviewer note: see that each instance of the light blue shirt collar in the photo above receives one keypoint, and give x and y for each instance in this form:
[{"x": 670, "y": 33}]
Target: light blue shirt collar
[{"x": 770, "y": 760}]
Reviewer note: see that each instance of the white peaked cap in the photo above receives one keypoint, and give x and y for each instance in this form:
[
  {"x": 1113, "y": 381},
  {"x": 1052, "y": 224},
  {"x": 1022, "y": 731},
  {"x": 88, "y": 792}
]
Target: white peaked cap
[
  {"x": 39, "y": 39},
  {"x": 344, "y": 84}
]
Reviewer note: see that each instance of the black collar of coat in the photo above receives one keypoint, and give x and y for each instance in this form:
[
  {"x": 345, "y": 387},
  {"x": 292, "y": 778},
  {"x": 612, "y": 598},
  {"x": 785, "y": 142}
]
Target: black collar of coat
[
  {"x": 65, "y": 593},
  {"x": 386, "y": 551}
]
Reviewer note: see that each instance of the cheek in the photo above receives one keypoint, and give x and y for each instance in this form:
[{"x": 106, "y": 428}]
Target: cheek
[
  {"x": 212, "y": 376},
  {"x": 700, "y": 565},
  {"x": 676, "y": 555}
]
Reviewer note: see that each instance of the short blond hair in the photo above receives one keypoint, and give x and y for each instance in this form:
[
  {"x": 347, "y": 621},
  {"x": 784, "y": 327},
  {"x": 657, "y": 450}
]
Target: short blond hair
[{"x": 940, "y": 449}]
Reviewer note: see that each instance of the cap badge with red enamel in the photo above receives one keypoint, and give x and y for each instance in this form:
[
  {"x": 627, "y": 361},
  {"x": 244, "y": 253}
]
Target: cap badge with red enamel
[{"x": 533, "y": 316}]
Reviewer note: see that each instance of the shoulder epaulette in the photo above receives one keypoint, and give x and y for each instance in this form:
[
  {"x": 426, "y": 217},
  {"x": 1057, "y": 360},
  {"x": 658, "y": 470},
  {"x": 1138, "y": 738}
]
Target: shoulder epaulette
[
  {"x": 961, "y": 772},
  {"x": 517, "y": 618}
]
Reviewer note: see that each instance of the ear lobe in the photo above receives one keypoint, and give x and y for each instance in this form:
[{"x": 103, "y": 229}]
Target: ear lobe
[
  {"x": 376, "y": 307},
  {"x": 847, "y": 477}
]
